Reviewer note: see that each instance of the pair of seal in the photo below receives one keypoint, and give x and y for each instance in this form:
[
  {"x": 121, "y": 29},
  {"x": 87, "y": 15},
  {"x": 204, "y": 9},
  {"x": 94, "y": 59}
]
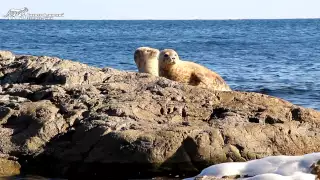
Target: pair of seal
[{"x": 168, "y": 64}]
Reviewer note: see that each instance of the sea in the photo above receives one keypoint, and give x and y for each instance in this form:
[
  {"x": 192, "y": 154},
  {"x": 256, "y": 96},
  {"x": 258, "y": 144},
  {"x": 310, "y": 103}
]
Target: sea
[{"x": 275, "y": 57}]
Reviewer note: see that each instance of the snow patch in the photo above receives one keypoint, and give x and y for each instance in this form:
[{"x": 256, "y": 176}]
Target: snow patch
[{"x": 269, "y": 168}]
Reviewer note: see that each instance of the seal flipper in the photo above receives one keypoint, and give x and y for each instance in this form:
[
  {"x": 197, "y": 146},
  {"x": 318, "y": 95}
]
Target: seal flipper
[
  {"x": 199, "y": 77},
  {"x": 209, "y": 80}
]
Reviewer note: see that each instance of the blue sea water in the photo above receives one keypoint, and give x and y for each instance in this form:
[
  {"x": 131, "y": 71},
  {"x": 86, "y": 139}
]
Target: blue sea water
[{"x": 275, "y": 57}]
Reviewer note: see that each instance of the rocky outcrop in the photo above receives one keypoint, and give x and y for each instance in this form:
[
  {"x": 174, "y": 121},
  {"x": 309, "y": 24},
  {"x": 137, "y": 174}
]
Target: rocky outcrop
[{"x": 65, "y": 119}]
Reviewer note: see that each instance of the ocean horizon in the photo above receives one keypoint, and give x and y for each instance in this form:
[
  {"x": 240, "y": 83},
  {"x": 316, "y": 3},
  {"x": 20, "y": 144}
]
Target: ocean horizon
[{"x": 196, "y": 19}]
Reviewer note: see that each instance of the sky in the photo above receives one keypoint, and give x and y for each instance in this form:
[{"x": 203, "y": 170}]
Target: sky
[{"x": 169, "y": 9}]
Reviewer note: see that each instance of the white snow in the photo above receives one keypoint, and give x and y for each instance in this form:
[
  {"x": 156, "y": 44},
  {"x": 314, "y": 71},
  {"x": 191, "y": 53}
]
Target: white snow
[{"x": 269, "y": 168}]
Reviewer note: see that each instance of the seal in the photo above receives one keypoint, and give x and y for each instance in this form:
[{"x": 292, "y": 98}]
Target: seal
[
  {"x": 146, "y": 59},
  {"x": 171, "y": 67}
]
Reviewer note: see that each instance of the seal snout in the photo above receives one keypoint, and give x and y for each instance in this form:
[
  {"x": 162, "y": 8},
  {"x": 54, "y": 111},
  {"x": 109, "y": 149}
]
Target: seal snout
[
  {"x": 155, "y": 53},
  {"x": 147, "y": 52},
  {"x": 172, "y": 60}
]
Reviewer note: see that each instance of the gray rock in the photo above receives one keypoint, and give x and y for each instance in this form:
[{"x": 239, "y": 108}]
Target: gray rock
[{"x": 63, "y": 118}]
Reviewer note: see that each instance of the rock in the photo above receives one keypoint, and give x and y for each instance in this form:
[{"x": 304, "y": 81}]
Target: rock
[
  {"x": 9, "y": 168},
  {"x": 66, "y": 119},
  {"x": 47, "y": 70},
  {"x": 6, "y": 57},
  {"x": 316, "y": 169}
]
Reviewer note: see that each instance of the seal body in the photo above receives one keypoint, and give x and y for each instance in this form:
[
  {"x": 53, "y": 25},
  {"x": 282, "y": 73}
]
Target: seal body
[
  {"x": 171, "y": 67},
  {"x": 146, "y": 59}
]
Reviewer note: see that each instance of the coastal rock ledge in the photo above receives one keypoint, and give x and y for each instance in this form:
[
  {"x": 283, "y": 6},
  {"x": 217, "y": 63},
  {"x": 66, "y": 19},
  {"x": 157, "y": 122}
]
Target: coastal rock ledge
[{"x": 65, "y": 119}]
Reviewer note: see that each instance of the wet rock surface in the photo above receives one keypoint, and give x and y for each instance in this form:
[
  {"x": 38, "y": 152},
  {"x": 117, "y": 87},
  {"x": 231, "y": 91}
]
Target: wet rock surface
[{"x": 61, "y": 118}]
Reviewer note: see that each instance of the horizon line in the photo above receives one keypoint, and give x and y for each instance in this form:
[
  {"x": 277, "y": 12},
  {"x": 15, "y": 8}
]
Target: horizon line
[{"x": 195, "y": 19}]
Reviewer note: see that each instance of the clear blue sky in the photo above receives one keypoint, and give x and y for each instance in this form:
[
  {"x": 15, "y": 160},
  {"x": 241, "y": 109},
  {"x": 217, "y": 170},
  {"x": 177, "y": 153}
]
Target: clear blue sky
[{"x": 170, "y": 9}]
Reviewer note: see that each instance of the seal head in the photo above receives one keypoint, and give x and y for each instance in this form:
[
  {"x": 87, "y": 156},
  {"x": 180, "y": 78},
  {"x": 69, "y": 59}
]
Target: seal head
[
  {"x": 169, "y": 57},
  {"x": 146, "y": 59}
]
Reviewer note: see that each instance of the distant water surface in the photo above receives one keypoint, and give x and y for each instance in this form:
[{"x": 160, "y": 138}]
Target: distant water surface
[{"x": 275, "y": 57}]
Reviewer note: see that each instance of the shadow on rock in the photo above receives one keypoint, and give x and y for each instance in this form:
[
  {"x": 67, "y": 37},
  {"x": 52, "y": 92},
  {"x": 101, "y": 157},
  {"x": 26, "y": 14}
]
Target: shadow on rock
[
  {"x": 89, "y": 153},
  {"x": 185, "y": 162}
]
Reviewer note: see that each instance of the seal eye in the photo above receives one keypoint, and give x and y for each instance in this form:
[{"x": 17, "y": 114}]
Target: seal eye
[
  {"x": 148, "y": 50},
  {"x": 166, "y": 55}
]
